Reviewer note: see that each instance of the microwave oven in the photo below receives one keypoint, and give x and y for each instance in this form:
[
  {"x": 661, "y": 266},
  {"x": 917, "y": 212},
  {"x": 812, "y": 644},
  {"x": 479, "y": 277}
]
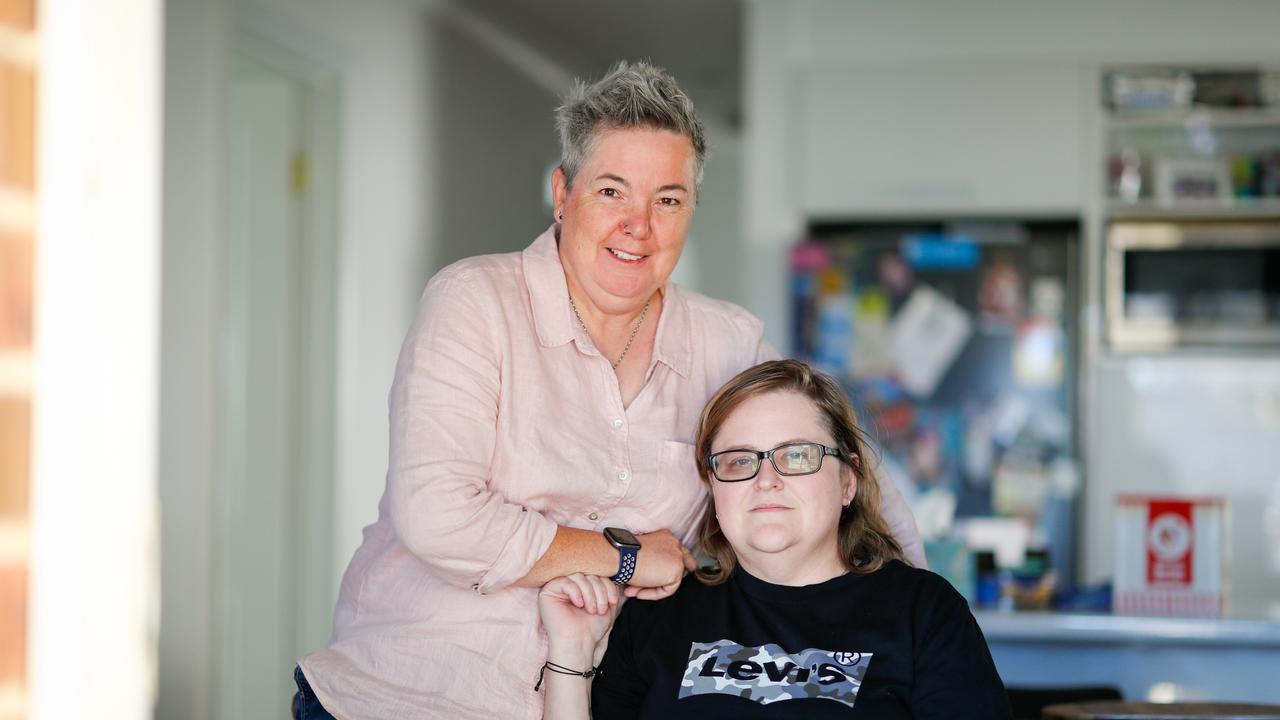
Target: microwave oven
[{"x": 1208, "y": 284}]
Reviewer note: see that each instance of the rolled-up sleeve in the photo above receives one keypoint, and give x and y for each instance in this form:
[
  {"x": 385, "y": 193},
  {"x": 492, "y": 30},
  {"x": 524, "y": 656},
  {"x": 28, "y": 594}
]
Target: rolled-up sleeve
[{"x": 443, "y": 414}]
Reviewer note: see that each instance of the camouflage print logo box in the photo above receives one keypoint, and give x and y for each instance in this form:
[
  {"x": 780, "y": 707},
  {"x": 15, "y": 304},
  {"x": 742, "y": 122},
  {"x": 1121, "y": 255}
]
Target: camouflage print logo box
[{"x": 768, "y": 674}]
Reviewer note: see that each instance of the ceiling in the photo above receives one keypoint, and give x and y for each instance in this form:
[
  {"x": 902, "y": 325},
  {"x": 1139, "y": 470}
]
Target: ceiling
[{"x": 699, "y": 41}]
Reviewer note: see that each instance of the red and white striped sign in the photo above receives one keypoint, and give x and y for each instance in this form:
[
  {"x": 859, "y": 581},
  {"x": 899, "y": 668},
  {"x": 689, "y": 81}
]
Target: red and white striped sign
[{"x": 1170, "y": 556}]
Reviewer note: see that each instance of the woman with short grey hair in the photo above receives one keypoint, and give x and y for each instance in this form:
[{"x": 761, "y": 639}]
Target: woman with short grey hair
[
  {"x": 542, "y": 420},
  {"x": 630, "y": 96}
]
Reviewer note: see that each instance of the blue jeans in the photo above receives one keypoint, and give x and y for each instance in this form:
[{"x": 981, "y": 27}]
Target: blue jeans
[{"x": 306, "y": 706}]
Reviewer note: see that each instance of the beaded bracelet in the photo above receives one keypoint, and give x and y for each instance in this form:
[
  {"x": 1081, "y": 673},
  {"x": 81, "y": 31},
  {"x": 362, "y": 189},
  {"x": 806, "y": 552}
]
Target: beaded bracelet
[{"x": 548, "y": 665}]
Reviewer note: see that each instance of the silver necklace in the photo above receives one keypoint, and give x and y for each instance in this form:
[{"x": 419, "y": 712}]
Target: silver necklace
[{"x": 634, "y": 331}]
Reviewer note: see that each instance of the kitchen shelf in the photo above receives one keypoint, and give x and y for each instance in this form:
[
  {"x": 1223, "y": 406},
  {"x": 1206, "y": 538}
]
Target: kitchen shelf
[
  {"x": 1239, "y": 209},
  {"x": 1214, "y": 117}
]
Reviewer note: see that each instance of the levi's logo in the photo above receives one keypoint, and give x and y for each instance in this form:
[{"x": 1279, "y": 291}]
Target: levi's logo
[{"x": 768, "y": 674}]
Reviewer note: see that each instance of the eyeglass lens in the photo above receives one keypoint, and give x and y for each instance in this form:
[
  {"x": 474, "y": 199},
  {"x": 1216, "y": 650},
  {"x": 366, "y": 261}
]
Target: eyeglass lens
[{"x": 798, "y": 459}]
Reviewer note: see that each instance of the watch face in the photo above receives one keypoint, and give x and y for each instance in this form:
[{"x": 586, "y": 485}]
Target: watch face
[{"x": 621, "y": 537}]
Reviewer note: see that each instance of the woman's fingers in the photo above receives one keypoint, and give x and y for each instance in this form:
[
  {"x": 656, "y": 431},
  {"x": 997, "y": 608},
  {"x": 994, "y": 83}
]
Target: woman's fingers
[
  {"x": 690, "y": 563},
  {"x": 603, "y": 594},
  {"x": 606, "y": 593},
  {"x": 595, "y": 594},
  {"x": 656, "y": 593},
  {"x": 555, "y": 588},
  {"x": 590, "y": 593},
  {"x": 570, "y": 591}
]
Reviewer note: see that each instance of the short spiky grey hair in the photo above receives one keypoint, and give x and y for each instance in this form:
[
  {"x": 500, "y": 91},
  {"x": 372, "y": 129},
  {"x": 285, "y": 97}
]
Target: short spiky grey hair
[{"x": 630, "y": 95}]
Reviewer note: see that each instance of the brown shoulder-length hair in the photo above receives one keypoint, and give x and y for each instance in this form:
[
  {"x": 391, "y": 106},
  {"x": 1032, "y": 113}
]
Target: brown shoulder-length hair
[{"x": 863, "y": 536}]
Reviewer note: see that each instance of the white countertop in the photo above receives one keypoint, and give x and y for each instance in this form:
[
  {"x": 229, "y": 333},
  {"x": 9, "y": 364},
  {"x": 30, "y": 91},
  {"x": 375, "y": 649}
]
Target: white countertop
[{"x": 1124, "y": 629}]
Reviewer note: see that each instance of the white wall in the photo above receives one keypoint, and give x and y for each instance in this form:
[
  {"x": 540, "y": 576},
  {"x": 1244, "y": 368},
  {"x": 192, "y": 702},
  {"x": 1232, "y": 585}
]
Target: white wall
[
  {"x": 193, "y": 54},
  {"x": 1191, "y": 425},
  {"x": 494, "y": 142},
  {"x": 379, "y": 51},
  {"x": 712, "y": 261}
]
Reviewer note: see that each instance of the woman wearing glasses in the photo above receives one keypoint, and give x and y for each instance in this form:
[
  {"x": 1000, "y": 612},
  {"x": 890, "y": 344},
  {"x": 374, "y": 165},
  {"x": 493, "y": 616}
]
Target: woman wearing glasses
[
  {"x": 541, "y": 399},
  {"x": 809, "y": 610}
]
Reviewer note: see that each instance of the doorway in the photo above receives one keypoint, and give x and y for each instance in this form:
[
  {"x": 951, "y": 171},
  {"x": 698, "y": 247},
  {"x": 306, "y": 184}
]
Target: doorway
[{"x": 276, "y": 481}]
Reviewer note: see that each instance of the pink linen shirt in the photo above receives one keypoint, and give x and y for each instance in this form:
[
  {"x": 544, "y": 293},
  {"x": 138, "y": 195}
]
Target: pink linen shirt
[{"x": 506, "y": 421}]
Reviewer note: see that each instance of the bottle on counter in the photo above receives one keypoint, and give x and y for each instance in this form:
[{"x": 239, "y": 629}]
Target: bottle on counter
[
  {"x": 1032, "y": 585},
  {"x": 987, "y": 585}
]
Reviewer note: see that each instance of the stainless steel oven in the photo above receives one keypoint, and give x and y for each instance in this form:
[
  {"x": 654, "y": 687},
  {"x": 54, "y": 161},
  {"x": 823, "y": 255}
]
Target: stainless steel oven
[{"x": 1171, "y": 284}]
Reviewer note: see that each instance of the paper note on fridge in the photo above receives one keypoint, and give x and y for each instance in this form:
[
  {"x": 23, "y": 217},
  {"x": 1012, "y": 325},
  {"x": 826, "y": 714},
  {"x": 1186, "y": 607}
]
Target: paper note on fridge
[{"x": 927, "y": 335}]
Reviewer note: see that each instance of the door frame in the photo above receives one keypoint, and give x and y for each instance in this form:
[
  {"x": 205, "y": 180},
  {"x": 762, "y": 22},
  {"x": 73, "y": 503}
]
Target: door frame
[{"x": 267, "y": 40}]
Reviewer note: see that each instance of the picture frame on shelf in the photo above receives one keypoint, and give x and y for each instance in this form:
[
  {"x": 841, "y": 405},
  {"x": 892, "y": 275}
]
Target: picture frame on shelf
[
  {"x": 1189, "y": 181},
  {"x": 1149, "y": 89}
]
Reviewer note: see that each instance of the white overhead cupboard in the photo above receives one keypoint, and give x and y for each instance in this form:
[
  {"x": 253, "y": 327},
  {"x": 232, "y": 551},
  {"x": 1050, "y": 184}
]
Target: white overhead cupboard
[{"x": 979, "y": 137}]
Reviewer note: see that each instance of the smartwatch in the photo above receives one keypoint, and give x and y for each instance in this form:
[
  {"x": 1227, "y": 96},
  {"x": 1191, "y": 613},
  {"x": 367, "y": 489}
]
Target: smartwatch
[{"x": 628, "y": 547}]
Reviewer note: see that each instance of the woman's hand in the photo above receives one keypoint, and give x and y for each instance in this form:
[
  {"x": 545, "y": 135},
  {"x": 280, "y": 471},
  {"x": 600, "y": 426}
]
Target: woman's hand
[
  {"x": 577, "y": 611},
  {"x": 653, "y": 593},
  {"x": 661, "y": 564}
]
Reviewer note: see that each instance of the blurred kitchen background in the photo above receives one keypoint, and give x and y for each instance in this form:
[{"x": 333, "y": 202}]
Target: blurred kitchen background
[{"x": 1038, "y": 241}]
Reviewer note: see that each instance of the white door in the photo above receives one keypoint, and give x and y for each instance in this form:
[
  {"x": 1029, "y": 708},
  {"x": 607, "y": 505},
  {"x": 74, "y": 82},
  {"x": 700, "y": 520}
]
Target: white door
[{"x": 275, "y": 487}]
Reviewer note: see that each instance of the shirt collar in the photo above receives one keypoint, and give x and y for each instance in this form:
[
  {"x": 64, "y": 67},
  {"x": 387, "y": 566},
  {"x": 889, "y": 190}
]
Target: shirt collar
[
  {"x": 674, "y": 343},
  {"x": 554, "y": 321},
  {"x": 548, "y": 291}
]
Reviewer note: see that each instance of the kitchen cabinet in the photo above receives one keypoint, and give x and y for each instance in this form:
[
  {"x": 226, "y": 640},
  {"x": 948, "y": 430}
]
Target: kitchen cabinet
[{"x": 962, "y": 139}]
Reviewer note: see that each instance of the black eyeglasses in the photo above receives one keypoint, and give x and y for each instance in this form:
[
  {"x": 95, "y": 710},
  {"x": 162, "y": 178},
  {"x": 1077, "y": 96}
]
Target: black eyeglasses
[{"x": 791, "y": 459}]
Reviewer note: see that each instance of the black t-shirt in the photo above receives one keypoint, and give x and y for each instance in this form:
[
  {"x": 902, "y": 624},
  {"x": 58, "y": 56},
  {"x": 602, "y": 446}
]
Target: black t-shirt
[{"x": 896, "y": 643}]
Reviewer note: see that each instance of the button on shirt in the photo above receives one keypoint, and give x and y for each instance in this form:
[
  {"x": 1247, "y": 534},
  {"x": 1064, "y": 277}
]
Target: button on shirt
[{"x": 500, "y": 414}]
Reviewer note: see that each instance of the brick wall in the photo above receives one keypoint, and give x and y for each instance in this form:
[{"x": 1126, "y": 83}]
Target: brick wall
[{"x": 18, "y": 82}]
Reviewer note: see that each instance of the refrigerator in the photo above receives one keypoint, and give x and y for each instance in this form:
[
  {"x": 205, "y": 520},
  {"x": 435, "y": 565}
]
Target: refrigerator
[{"x": 958, "y": 343}]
